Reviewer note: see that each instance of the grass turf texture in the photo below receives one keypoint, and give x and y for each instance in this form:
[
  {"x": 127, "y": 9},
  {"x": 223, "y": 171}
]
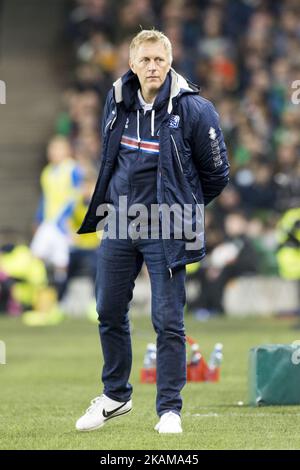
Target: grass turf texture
[{"x": 53, "y": 372}]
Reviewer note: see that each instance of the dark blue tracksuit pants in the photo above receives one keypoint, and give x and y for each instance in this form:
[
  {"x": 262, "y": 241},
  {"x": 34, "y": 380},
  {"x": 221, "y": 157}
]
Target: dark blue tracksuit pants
[{"x": 118, "y": 264}]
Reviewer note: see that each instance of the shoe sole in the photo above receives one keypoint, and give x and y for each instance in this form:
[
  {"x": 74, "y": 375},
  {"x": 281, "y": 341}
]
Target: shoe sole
[
  {"x": 156, "y": 428},
  {"x": 104, "y": 422},
  {"x": 169, "y": 432}
]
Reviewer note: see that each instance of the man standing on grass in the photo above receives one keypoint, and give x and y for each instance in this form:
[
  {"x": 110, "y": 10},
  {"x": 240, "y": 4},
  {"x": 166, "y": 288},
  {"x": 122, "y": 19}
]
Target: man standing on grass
[{"x": 164, "y": 157}]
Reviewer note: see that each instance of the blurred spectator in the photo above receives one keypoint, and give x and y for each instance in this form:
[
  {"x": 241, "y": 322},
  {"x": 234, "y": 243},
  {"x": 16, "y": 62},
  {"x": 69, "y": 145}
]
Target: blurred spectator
[
  {"x": 288, "y": 254},
  {"x": 233, "y": 257},
  {"x": 132, "y": 15},
  {"x": 82, "y": 249},
  {"x": 60, "y": 183},
  {"x": 22, "y": 275},
  {"x": 88, "y": 16},
  {"x": 258, "y": 190},
  {"x": 289, "y": 244}
]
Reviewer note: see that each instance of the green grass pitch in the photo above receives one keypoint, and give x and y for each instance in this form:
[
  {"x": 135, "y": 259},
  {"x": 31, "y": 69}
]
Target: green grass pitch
[{"x": 52, "y": 373}]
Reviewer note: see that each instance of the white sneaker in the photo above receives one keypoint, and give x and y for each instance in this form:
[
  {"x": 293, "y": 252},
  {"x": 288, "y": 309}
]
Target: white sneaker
[
  {"x": 101, "y": 410},
  {"x": 169, "y": 422}
]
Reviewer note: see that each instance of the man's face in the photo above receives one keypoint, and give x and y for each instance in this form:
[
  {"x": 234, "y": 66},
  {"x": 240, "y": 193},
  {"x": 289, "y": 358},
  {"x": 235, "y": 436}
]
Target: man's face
[{"x": 151, "y": 64}]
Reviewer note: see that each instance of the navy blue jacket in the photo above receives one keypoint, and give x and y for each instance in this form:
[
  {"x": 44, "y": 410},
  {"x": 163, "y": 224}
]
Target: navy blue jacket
[{"x": 192, "y": 164}]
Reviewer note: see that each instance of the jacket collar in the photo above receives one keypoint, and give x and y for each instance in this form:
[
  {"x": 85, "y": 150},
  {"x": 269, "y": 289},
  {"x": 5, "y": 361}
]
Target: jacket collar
[{"x": 125, "y": 88}]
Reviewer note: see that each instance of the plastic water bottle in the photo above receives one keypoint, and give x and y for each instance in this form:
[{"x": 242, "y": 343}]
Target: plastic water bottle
[
  {"x": 216, "y": 356},
  {"x": 150, "y": 356},
  {"x": 196, "y": 354}
]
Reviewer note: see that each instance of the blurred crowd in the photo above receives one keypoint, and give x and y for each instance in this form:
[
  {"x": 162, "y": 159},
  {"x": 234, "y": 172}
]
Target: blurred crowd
[{"x": 245, "y": 55}]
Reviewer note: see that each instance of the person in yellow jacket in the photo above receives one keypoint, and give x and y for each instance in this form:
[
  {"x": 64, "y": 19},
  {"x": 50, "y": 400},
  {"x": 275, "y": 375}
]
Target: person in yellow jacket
[
  {"x": 83, "y": 247},
  {"x": 288, "y": 254},
  {"x": 26, "y": 276},
  {"x": 60, "y": 182}
]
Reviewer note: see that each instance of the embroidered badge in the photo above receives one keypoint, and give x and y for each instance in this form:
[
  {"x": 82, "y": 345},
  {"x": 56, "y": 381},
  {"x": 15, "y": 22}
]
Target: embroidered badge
[{"x": 174, "y": 121}]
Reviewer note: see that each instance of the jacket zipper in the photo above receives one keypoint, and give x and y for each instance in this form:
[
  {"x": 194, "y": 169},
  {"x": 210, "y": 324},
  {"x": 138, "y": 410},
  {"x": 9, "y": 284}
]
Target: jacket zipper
[
  {"x": 111, "y": 123},
  {"x": 180, "y": 165},
  {"x": 107, "y": 125},
  {"x": 161, "y": 183}
]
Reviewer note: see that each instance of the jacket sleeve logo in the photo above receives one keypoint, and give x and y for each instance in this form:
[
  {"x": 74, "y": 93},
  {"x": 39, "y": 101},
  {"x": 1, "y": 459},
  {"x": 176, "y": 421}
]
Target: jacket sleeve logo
[{"x": 212, "y": 133}]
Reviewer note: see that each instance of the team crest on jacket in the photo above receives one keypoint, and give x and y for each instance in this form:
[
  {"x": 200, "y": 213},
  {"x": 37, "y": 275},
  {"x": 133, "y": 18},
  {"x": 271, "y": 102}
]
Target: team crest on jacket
[{"x": 174, "y": 121}]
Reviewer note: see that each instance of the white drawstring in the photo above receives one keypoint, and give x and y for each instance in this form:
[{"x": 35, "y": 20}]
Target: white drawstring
[
  {"x": 138, "y": 125},
  {"x": 152, "y": 121}
]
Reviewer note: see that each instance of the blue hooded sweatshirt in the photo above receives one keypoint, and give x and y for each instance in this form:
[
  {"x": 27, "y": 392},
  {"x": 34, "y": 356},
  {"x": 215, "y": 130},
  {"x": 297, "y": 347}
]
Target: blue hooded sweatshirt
[{"x": 135, "y": 173}]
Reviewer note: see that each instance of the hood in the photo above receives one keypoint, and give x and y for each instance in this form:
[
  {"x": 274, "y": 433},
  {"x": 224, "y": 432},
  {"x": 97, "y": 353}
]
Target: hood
[{"x": 126, "y": 87}]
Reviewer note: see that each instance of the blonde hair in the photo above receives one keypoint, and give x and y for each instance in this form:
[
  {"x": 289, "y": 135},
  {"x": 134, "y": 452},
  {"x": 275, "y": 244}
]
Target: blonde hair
[{"x": 151, "y": 35}]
